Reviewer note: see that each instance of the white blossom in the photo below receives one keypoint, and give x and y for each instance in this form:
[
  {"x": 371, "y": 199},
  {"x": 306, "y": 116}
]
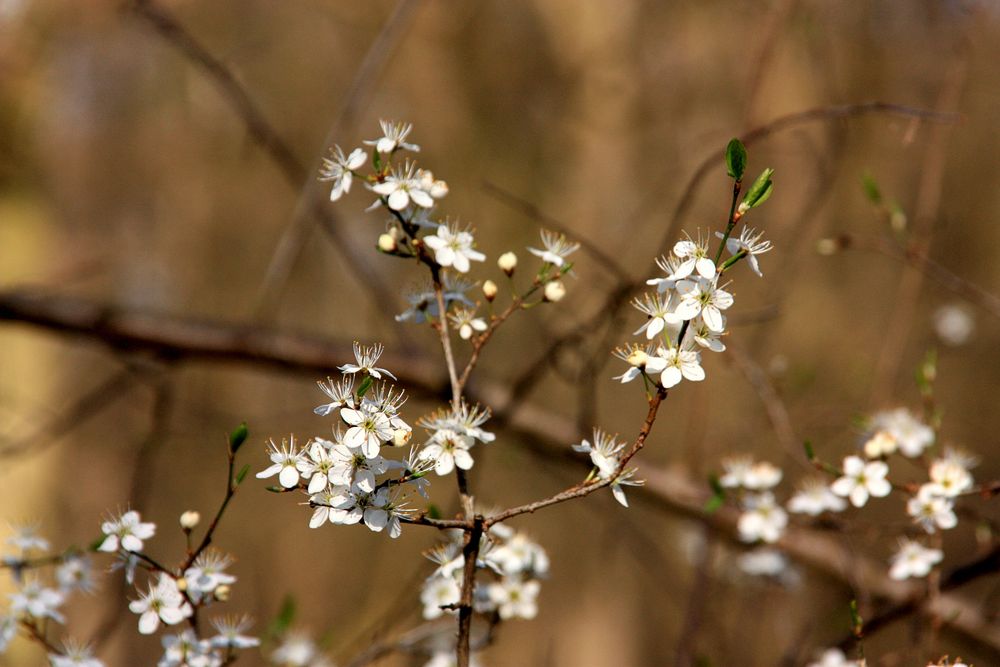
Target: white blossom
[
  {"x": 931, "y": 511},
  {"x": 861, "y": 480},
  {"x": 694, "y": 257},
  {"x": 285, "y": 461},
  {"x": 466, "y": 322},
  {"x": 677, "y": 363},
  {"x": 126, "y": 532},
  {"x": 438, "y": 592},
  {"x": 556, "y": 248},
  {"x": 814, "y": 497},
  {"x": 162, "y": 602},
  {"x": 911, "y": 435},
  {"x": 514, "y": 598},
  {"x": 703, "y": 297},
  {"x": 231, "y": 635},
  {"x": 37, "y": 601},
  {"x": 763, "y": 519},
  {"x": 341, "y": 395},
  {"x": 366, "y": 357},
  {"x": 393, "y": 137},
  {"x": 751, "y": 242},
  {"x": 914, "y": 560},
  {"x": 339, "y": 169},
  {"x": 453, "y": 247}
]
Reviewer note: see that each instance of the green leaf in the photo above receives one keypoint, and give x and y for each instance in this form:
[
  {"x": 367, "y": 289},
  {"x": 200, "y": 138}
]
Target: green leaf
[
  {"x": 718, "y": 498},
  {"x": 810, "y": 452},
  {"x": 713, "y": 504},
  {"x": 433, "y": 512},
  {"x": 274, "y": 488},
  {"x": 366, "y": 384},
  {"x": 759, "y": 191},
  {"x": 238, "y": 437},
  {"x": 872, "y": 190},
  {"x": 736, "y": 159},
  {"x": 283, "y": 620},
  {"x": 242, "y": 474}
]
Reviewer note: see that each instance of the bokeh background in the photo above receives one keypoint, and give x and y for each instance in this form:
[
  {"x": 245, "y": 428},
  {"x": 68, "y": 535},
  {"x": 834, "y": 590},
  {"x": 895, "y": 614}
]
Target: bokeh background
[{"x": 129, "y": 179}]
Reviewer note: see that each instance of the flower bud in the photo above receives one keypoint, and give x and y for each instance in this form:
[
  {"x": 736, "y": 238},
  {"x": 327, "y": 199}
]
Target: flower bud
[
  {"x": 638, "y": 358},
  {"x": 190, "y": 520},
  {"x": 507, "y": 263},
  {"x": 222, "y": 592},
  {"x": 880, "y": 444},
  {"x": 401, "y": 436},
  {"x": 490, "y": 290},
  {"x": 182, "y": 584},
  {"x": 386, "y": 243},
  {"x": 554, "y": 291},
  {"x": 827, "y": 247}
]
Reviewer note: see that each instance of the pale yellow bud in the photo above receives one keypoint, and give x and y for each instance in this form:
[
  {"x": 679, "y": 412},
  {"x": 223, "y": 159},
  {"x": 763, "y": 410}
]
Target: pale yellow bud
[
  {"x": 880, "y": 444},
  {"x": 490, "y": 290},
  {"x": 182, "y": 584},
  {"x": 638, "y": 358},
  {"x": 386, "y": 243},
  {"x": 222, "y": 592},
  {"x": 190, "y": 520},
  {"x": 827, "y": 247},
  {"x": 507, "y": 263},
  {"x": 555, "y": 291},
  {"x": 401, "y": 436}
]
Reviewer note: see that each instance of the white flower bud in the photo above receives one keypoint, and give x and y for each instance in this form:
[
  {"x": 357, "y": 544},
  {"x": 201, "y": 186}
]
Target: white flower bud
[
  {"x": 554, "y": 291},
  {"x": 827, "y": 247},
  {"x": 401, "y": 436},
  {"x": 880, "y": 444},
  {"x": 386, "y": 243},
  {"x": 222, "y": 592},
  {"x": 182, "y": 584},
  {"x": 190, "y": 520},
  {"x": 507, "y": 263},
  {"x": 638, "y": 358},
  {"x": 490, "y": 290}
]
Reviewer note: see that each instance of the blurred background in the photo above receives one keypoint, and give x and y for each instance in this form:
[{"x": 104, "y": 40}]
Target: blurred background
[{"x": 157, "y": 183}]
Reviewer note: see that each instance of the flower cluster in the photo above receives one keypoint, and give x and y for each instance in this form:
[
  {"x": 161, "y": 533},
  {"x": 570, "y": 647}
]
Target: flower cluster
[
  {"x": 930, "y": 504},
  {"x": 606, "y": 455},
  {"x": 339, "y": 475},
  {"x": 514, "y": 565},
  {"x": 169, "y": 598},
  {"x": 686, "y": 313}
]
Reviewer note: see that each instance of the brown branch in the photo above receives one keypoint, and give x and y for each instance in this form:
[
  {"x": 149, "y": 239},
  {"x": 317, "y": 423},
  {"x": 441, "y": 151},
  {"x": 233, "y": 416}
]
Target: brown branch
[
  {"x": 173, "y": 338},
  {"x": 589, "y": 486},
  {"x": 470, "y": 552}
]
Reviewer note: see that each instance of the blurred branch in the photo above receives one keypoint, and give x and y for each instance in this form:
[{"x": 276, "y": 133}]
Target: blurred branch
[
  {"x": 289, "y": 247},
  {"x": 85, "y": 407},
  {"x": 172, "y": 338},
  {"x": 264, "y": 134},
  {"x": 904, "y": 303},
  {"x": 530, "y": 210},
  {"x": 536, "y": 429}
]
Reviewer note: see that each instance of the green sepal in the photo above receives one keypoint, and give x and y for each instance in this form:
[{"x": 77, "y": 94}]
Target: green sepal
[
  {"x": 718, "y": 497},
  {"x": 810, "y": 452},
  {"x": 241, "y": 475},
  {"x": 759, "y": 191},
  {"x": 736, "y": 159},
  {"x": 433, "y": 512},
  {"x": 871, "y": 188},
  {"x": 238, "y": 437},
  {"x": 283, "y": 620},
  {"x": 366, "y": 384},
  {"x": 96, "y": 544}
]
